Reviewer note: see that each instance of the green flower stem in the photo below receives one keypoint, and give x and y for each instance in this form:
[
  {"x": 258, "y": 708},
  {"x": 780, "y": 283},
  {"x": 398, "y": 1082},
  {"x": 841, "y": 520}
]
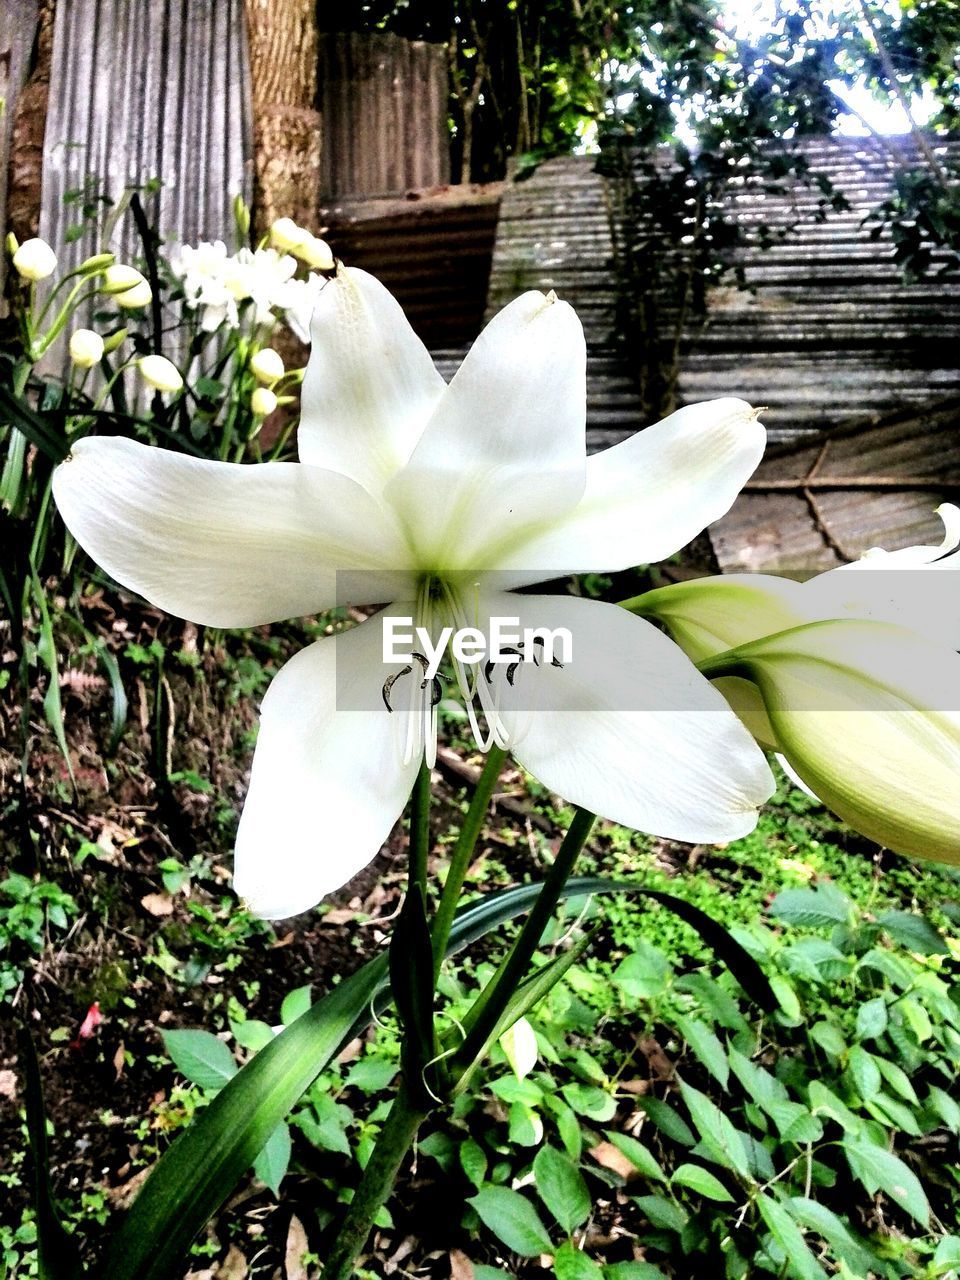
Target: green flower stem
[
  {"x": 490, "y": 1005},
  {"x": 420, "y": 829},
  {"x": 462, "y": 854},
  {"x": 394, "y": 1141}
]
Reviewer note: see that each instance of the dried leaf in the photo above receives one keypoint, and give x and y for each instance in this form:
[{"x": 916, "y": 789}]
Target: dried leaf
[
  {"x": 297, "y": 1247},
  {"x": 8, "y": 1085},
  {"x": 233, "y": 1267},
  {"x": 610, "y": 1157},
  {"x": 461, "y": 1268},
  {"x": 158, "y": 904}
]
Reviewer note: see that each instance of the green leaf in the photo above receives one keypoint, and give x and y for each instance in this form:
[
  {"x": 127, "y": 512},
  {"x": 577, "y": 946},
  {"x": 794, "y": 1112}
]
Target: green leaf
[
  {"x": 633, "y": 1271},
  {"x": 587, "y": 1100},
  {"x": 252, "y": 1034},
  {"x": 898, "y": 1080},
  {"x": 639, "y": 1156},
  {"x": 202, "y": 1167},
  {"x": 274, "y": 1158},
  {"x": 371, "y": 1074},
  {"x": 700, "y": 1180},
  {"x": 914, "y": 932},
  {"x": 817, "y": 1217},
  {"x": 526, "y": 1127},
  {"x": 473, "y": 1161},
  {"x": 811, "y": 908},
  {"x": 662, "y": 1213},
  {"x": 667, "y": 1120},
  {"x": 800, "y": 1262},
  {"x": 718, "y": 1133},
  {"x": 37, "y": 428},
  {"x": 513, "y": 1220},
  {"x": 645, "y": 973},
  {"x": 872, "y": 1019},
  {"x": 201, "y": 1057},
  {"x": 571, "y": 1263},
  {"x": 295, "y": 1003},
  {"x": 707, "y": 1047},
  {"x": 562, "y": 1189},
  {"x": 880, "y": 1170},
  {"x": 411, "y": 983},
  {"x": 865, "y": 1072},
  {"x": 58, "y": 1256}
]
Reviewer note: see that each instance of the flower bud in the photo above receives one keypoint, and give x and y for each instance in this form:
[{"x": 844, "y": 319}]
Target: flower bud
[
  {"x": 241, "y": 216},
  {"x": 868, "y": 716},
  {"x": 267, "y": 366},
  {"x": 35, "y": 260},
  {"x": 315, "y": 253},
  {"x": 114, "y": 341},
  {"x": 99, "y": 262},
  {"x": 119, "y": 277},
  {"x": 263, "y": 402},
  {"x": 86, "y": 348},
  {"x": 138, "y": 296},
  {"x": 286, "y": 235},
  {"x": 519, "y": 1044},
  {"x": 160, "y": 372},
  {"x": 13, "y": 244}
]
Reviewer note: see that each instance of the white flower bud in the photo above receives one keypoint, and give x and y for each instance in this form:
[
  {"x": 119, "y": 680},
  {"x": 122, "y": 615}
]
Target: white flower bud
[
  {"x": 160, "y": 372},
  {"x": 868, "y": 716},
  {"x": 267, "y": 366},
  {"x": 286, "y": 235},
  {"x": 35, "y": 260},
  {"x": 519, "y": 1044},
  {"x": 315, "y": 253},
  {"x": 86, "y": 348},
  {"x": 138, "y": 296},
  {"x": 263, "y": 402},
  {"x": 120, "y": 277}
]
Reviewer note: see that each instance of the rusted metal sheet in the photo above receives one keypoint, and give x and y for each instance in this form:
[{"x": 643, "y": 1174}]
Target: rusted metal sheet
[
  {"x": 432, "y": 249},
  {"x": 18, "y": 28},
  {"x": 823, "y": 500},
  {"x": 827, "y": 332},
  {"x": 141, "y": 91},
  {"x": 383, "y": 101},
  {"x": 555, "y": 232}
]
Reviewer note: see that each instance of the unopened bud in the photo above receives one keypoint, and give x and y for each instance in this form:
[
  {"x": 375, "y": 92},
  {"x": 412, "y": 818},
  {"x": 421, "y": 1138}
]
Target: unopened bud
[
  {"x": 241, "y": 216},
  {"x": 86, "y": 348},
  {"x": 267, "y": 366},
  {"x": 99, "y": 262},
  {"x": 13, "y": 244},
  {"x": 286, "y": 235},
  {"x": 138, "y": 296},
  {"x": 35, "y": 260},
  {"x": 315, "y": 253},
  {"x": 160, "y": 372},
  {"x": 114, "y": 341},
  {"x": 263, "y": 402},
  {"x": 119, "y": 277}
]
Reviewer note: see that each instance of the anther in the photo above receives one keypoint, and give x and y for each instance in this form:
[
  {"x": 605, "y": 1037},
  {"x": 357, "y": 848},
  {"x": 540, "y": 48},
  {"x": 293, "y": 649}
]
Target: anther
[{"x": 390, "y": 682}]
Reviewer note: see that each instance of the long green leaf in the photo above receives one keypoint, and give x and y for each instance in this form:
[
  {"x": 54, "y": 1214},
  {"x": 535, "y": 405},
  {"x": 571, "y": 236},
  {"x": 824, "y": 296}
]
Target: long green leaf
[
  {"x": 32, "y": 425},
  {"x": 57, "y": 1253}
]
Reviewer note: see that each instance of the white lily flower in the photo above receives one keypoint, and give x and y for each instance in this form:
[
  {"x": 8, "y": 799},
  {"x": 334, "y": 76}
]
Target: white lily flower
[
  {"x": 440, "y": 499},
  {"x": 201, "y": 270}
]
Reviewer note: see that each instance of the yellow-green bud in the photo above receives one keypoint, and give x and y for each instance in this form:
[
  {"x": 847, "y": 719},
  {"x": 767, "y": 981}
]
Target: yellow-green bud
[
  {"x": 86, "y": 348},
  {"x": 266, "y": 366},
  {"x": 160, "y": 372},
  {"x": 35, "y": 260},
  {"x": 286, "y": 235},
  {"x": 263, "y": 402},
  {"x": 114, "y": 341},
  {"x": 131, "y": 299},
  {"x": 99, "y": 262},
  {"x": 241, "y": 216},
  {"x": 315, "y": 253},
  {"x": 13, "y": 244},
  {"x": 868, "y": 716},
  {"x": 119, "y": 277}
]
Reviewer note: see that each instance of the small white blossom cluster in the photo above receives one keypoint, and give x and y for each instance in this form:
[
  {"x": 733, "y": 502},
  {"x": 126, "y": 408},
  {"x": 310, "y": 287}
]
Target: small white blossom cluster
[{"x": 218, "y": 283}]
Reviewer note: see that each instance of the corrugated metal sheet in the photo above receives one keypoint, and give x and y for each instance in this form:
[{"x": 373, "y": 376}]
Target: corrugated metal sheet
[
  {"x": 432, "y": 250},
  {"x": 383, "y": 101},
  {"x": 555, "y": 232},
  {"x": 821, "y": 501},
  {"x": 828, "y": 333},
  {"x": 18, "y": 29},
  {"x": 146, "y": 89}
]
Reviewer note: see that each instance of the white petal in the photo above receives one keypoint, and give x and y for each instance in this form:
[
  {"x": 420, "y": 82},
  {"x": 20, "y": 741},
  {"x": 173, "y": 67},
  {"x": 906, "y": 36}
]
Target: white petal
[
  {"x": 506, "y": 447},
  {"x": 327, "y": 783},
  {"x": 628, "y": 728},
  {"x": 223, "y": 544},
  {"x": 370, "y": 384},
  {"x": 649, "y": 496}
]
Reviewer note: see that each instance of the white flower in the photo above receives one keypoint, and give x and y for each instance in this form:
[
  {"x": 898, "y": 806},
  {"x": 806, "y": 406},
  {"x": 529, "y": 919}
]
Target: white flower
[
  {"x": 159, "y": 372},
  {"x": 201, "y": 270},
  {"x": 264, "y": 276},
  {"x": 86, "y": 348},
  {"x": 35, "y": 260},
  {"x": 263, "y": 402},
  {"x": 441, "y": 499},
  {"x": 300, "y": 299}
]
